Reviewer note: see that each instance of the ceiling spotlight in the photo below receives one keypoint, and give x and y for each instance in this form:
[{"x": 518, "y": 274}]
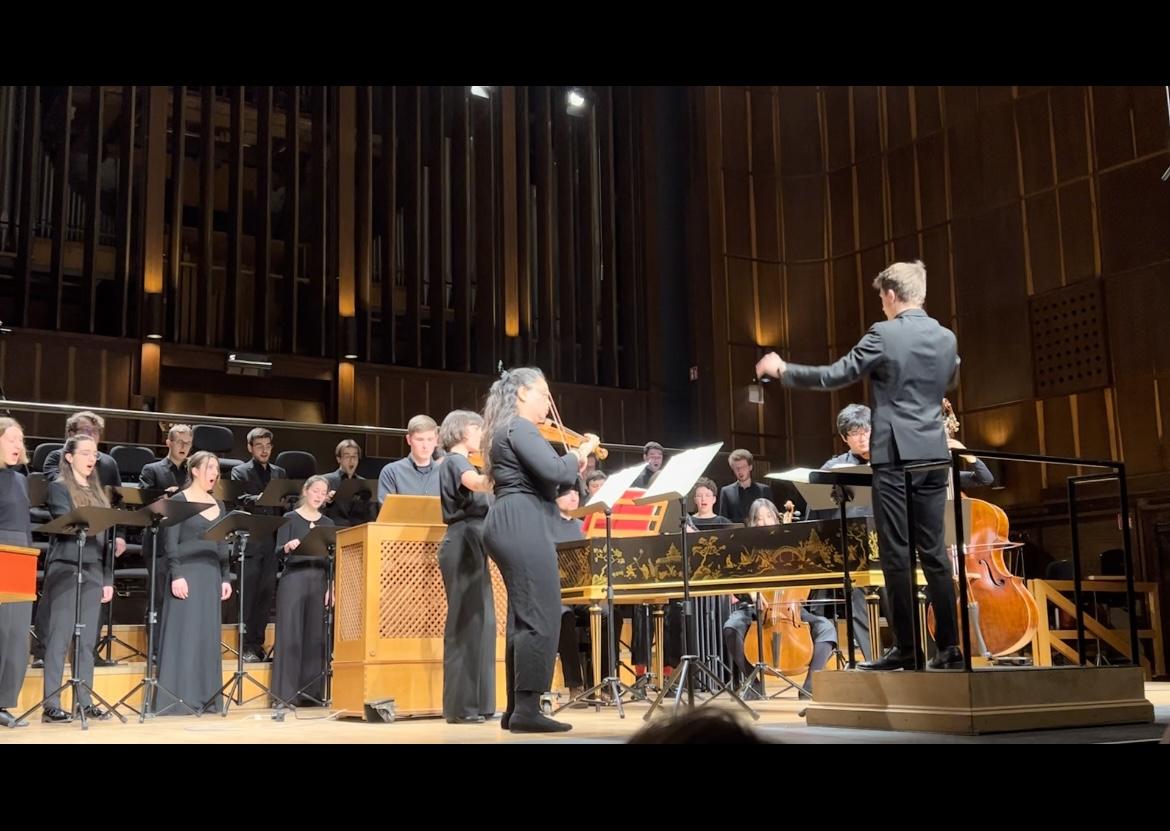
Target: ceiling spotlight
[
  {"x": 575, "y": 102},
  {"x": 482, "y": 92}
]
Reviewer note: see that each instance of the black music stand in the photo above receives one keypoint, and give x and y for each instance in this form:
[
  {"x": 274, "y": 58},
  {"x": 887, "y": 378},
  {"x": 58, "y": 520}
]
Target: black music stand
[
  {"x": 614, "y": 489},
  {"x": 126, "y": 499},
  {"x": 353, "y": 492},
  {"x": 156, "y": 513},
  {"x": 38, "y": 490},
  {"x": 322, "y": 542},
  {"x": 762, "y": 668},
  {"x": 236, "y": 528},
  {"x": 848, "y": 484},
  {"x": 228, "y": 491},
  {"x": 80, "y": 523},
  {"x": 675, "y": 481},
  {"x": 278, "y": 492},
  {"x": 133, "y": 498},
  {"x": 837, "y": 487},
  {"x": 38, "y": 494}
]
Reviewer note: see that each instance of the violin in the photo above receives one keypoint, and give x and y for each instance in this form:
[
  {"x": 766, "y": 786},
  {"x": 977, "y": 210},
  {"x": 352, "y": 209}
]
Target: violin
[
  {"x": 559, "y": 434},
  {"x": 556, "y": 433}
]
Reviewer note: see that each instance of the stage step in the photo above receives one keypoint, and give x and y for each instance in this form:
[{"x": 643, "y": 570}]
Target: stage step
[{"x": 987, "y": 701}]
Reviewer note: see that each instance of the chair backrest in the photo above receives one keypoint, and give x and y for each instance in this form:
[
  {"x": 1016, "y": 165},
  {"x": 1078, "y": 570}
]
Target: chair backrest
[
  {"x": 131, "y": 460},
  {"x": 1059, "y": 570},
  {"x": 225, "y": 467},
  {"x": 40, "y": 453},
  {"x": 297, "y": 463},
  {"x": 1113, "y": 562},
  {"x": 214, "y": 437},
  {"x": 370, "y": 467}
]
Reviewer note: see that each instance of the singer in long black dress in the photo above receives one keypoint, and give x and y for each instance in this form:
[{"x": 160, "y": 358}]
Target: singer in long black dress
[
  {"x": 526, "y": 472},
  {"x": 190, "y": 662},
  {"x": 469, "y": 639},
  {"x": 14, "y": 530},
  {"x": 299, "y": 660}
]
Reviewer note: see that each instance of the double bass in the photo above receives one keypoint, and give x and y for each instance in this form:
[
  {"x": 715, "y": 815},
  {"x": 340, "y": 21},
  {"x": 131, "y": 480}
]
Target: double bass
[{"x": 1003, "y": 615}]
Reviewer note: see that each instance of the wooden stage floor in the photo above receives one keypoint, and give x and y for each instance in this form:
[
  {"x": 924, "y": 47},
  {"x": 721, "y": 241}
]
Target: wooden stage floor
[{"x": 778, "y": 722}]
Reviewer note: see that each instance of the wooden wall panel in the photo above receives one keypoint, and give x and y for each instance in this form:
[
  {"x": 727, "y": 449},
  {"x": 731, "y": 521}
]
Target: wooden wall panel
[
  {"x": 1044, "y": 244},
  {"x": 1004, "y": 193},
  {"x": 932, "y": 179},
  {"x": 837, "y": 131},
  {"x": 841, "y": 225},
  {"x": 1069, "y": 132},
  {"x": 737, "y": 214},
  {"x": 733, "y": 108},
  {"x": 800, "y": 140},
  {"x": 899, "y": 124},
  {"x": 1034, "y": 126},
  {"x": 903, "y": 197},
  {"x": 927, "y": 110},
  {"x": 867, "y": 128},
  {"x": 804, "y": 217},
  {"x": 1134, "y": 204}
]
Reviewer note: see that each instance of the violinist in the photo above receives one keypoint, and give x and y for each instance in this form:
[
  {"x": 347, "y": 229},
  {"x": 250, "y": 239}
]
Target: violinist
[
  {"x": 525, "y": 473},
  {"x": 824, "y": 635}
]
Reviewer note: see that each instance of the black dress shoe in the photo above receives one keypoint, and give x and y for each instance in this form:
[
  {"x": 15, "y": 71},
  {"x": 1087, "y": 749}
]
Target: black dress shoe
[
  {"x": 55, "y": 715},
  {"x": 520, "y": 723},
  {"x": 9, "y": 720},
  {"x": 949, "y": 658},
  {"x": 96, "y": 713},
  {"x": 466, "y": 720},
  {"x": 894, "y": 658},
  {"x": 100, "y": 661}
]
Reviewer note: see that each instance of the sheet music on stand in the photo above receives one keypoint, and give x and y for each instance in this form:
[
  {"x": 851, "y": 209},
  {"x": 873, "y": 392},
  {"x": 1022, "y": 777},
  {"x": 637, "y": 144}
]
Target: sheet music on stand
[
  {"x": 818, "y": 495},
  {"x": 678, "y": 476},
  {"x": 609, "y": 493},
  {"x": 675, "y": 481},
  {"x": 607, "y": 496}
]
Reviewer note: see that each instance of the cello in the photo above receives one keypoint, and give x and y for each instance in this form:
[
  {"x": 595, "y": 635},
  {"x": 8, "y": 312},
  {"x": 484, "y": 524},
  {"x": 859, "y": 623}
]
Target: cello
[
  {"x": 790, "y": 637},
  {"x": 1003, "y": 615}
]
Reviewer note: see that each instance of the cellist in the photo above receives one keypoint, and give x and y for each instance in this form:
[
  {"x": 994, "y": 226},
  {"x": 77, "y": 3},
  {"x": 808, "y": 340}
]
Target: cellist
[{"x": 820, "y": 630}]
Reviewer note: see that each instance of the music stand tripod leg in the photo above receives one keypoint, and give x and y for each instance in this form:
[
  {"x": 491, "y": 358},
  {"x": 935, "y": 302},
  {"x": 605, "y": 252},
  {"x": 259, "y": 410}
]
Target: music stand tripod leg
[
  {"x": 149, "y": 683},
  {"x": 684, "y": 671},
  {"x": 325, "y": 674},
  {"x": 611, "y": 683},
  {"x": 73, "y": 684},
  {"x": 235, "y": 685}
]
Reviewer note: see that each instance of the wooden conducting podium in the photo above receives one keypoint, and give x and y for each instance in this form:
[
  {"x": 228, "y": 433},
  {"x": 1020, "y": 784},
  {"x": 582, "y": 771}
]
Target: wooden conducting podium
[{"x": 391, "y": 611}]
